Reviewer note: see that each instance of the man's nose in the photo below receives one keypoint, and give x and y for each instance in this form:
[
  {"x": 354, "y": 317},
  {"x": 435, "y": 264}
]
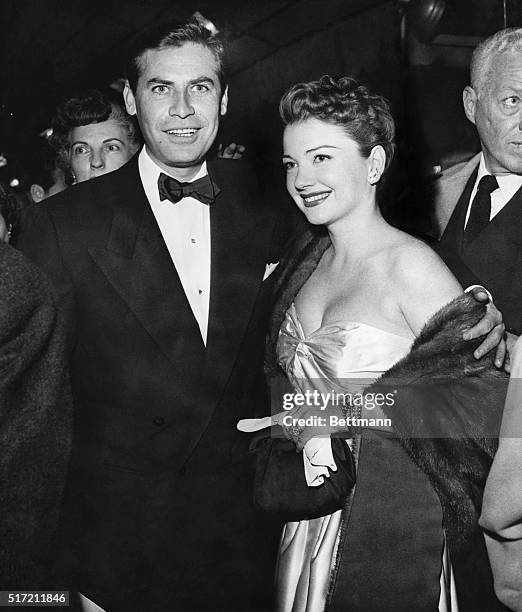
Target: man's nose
[
  {"x": 181, "y": 106},
  {"x": 97, "y": 159}
]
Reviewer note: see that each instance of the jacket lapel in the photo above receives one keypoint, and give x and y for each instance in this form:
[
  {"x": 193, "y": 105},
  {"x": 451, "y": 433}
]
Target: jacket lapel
[
  {"x": 452, "y": 238},
  {"x": 241, "y": 231},
  {"x": 137, "y": 263},
  {"x": 449, "y": 188}
]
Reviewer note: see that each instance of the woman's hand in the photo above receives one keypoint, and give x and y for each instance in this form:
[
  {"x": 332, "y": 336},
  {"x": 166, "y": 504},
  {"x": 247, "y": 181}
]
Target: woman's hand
[
  {"x": 306, "y": 422},
  {"x": 490, "y": 324}
]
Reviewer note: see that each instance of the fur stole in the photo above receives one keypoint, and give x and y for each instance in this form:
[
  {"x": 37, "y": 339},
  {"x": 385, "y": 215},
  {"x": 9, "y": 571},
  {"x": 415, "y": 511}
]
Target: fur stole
[{"x": 448, "y": 407}]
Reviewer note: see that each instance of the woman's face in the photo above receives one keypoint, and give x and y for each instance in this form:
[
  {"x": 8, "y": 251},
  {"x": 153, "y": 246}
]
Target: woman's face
[
  {"x": 99, "y": 148},
  {"x": 4, "y": 231},
  {"x": 326, "y": 175}
]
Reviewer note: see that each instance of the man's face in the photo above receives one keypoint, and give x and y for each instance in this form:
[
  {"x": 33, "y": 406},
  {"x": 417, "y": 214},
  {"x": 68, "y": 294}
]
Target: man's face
[
  {"x": 496, "y": 111},
  {"x": 178, "y": 101}
]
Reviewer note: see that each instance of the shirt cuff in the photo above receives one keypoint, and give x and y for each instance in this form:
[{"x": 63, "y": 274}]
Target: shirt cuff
[{"x": 469, "y": 289}]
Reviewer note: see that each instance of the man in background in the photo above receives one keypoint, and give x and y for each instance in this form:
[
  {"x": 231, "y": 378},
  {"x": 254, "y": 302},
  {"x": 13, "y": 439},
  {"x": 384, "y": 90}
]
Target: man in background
[{"x": 478, "y": 208}]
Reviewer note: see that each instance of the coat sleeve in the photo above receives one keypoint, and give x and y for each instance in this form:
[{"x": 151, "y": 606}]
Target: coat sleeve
[{"x": 35, "y": 420}]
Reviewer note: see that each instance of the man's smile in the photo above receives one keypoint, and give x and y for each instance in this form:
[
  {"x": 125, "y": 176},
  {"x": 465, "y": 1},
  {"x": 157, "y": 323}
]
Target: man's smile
[{"x": 182, "y": 132}]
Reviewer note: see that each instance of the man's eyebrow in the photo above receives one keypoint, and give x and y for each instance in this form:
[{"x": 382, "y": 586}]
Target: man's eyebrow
[
  {"x": 113, "y": 138},
  {"x": 202, "y": 79},
  {"x": 160, "y": 81}
]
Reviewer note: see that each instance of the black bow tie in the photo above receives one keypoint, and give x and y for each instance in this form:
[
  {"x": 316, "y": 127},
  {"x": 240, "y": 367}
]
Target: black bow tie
[{"x": 203, "y": 189}]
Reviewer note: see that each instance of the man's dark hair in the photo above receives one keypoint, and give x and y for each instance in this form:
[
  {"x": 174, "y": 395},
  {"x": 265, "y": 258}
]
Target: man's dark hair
[{"x": 173, "y": 35}]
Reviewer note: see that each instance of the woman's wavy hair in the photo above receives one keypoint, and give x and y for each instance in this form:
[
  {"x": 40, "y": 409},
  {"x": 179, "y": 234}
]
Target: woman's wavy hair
[
  {"x": 91, "y": 106},
  {"x": 365, "y": 116}
]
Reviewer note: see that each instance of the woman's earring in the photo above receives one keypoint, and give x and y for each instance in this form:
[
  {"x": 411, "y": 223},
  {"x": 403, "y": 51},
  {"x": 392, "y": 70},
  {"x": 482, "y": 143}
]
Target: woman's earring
[{"x": 372, "y": 177}]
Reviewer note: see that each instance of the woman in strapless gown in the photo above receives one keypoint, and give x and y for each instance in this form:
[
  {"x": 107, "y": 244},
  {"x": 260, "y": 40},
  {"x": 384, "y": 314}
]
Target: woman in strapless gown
[{"x": 351, "y": 308}]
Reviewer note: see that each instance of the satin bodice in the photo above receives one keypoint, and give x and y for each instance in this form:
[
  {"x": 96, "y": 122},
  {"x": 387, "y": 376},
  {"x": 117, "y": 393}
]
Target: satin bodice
[{"x": 336, "y": 353}]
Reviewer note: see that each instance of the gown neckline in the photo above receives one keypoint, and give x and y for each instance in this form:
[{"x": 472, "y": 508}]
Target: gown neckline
[{"x": 340, "y": 323}]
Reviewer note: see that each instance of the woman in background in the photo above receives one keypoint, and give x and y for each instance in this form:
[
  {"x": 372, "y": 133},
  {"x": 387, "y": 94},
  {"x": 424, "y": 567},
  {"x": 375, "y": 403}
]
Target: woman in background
[
  {"x": 349, "y": 305},
  {"x": 93, "y": 135}
]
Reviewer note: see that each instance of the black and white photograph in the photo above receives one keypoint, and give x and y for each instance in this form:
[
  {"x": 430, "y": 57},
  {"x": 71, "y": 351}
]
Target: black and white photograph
[{"x": 260, "y": 305}]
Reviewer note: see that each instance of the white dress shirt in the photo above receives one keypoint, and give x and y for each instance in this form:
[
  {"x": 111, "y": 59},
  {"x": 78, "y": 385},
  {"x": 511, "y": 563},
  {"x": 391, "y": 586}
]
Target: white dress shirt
[
  {"x": 508, "y": 185},
  {"x": 185, "y": 227}
]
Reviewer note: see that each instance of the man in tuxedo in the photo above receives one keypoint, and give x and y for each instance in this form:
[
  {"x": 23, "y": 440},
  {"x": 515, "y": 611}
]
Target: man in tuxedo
[
  {"x": 162, "y": 264},
  {"x": 478, "y": 208}
]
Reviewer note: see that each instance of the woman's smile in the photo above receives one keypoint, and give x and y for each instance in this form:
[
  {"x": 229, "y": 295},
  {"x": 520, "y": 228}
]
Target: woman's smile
[{"x": 314, "y": 199}]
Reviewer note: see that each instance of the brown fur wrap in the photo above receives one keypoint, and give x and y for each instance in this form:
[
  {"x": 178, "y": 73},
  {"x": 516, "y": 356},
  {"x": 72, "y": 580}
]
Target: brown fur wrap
[{"x": 442, "y": 388}]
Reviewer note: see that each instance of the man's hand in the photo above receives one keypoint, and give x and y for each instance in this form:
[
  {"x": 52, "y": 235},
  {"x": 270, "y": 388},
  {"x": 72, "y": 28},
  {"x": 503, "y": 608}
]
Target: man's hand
[
  {"x": 231, "y": 151},
  {"x": 490, "y": 324},
  {"x": 512, "y": 349}
]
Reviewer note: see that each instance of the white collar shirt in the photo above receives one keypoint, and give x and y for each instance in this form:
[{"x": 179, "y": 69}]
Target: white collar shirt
[
  {"x": 508, "y": 185},
  {"x": 185, "y": 227}
]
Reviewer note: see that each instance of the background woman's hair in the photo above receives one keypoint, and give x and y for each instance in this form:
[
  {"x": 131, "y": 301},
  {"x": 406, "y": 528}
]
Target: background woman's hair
[
  {"x": 365, "y": 116},
  {"x": 92, "y": 106}
]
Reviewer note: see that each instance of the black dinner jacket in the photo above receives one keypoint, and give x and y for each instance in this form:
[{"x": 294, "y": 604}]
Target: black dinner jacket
[
  {"x": 494, "y": 258},
  {"x": 159, "y": 491}
]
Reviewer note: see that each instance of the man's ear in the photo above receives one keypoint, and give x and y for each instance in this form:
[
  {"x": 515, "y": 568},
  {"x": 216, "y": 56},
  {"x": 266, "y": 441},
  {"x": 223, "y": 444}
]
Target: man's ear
[
  {"x": 128, "y": 96},
  {"x": 37, "y": 193},
  {"x": 224, "y": 102},
  {"x": 469, "y": 98}
]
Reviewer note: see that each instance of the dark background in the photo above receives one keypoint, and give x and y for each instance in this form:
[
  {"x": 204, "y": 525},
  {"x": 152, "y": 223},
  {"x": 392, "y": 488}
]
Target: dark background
[{"x": 415, "y": 52}]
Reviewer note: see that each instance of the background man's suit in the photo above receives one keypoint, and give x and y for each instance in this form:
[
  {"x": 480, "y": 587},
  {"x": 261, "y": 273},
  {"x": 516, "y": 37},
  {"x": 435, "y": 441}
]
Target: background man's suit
[
  {"x": 494, "y": 258},
  {"x": 160, "y": 489}
]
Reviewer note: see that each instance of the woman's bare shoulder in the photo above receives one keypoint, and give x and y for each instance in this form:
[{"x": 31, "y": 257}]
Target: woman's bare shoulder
[
  {"x": 420, "y": 281},
  {"x": 411, "y": 259}
]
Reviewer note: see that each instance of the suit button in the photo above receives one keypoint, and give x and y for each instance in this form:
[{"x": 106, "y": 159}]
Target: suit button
[
  {"x": 159, "y": 421},
  {"x": 183, "y": 470}
]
